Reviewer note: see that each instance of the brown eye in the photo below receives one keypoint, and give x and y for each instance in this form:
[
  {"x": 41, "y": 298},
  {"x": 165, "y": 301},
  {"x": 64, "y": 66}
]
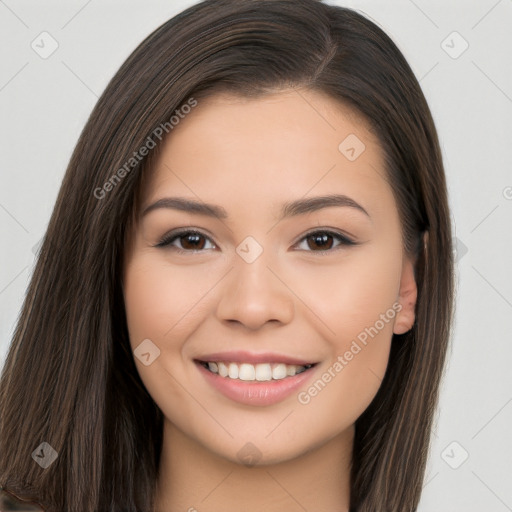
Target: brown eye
[
  {"x": 189, "y": 241},
  {"x": 192, "y": 241},
  {"x": 319, "y": 241}
]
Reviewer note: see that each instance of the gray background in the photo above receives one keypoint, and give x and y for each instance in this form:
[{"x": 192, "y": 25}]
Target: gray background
[{"x": 45, "y": 102}]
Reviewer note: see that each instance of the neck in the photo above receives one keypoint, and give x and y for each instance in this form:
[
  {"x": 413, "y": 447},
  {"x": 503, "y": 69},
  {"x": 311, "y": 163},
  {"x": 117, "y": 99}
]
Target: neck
[{"x": 192, "y": 478}]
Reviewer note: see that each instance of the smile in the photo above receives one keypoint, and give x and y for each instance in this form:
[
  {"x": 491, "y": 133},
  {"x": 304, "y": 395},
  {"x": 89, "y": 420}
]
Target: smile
[
  {"x": 254, "y": 372},
  {"x": 260, "y": 383}
]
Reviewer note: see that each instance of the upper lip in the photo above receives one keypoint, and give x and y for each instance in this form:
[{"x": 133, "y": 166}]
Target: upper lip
[{"x": 240, "y": 356}]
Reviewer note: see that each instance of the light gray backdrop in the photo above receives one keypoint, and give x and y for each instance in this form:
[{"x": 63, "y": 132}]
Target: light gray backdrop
[{"x": 57, "y": 57}]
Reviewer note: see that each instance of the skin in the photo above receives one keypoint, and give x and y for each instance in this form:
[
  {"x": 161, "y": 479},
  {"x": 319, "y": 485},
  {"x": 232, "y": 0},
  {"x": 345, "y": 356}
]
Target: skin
[{"x": 250, "y": 156}]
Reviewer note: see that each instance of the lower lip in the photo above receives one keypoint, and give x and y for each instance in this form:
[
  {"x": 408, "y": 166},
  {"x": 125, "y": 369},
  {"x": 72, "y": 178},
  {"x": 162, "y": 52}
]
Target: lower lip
[{"x": 254, "y": 392}]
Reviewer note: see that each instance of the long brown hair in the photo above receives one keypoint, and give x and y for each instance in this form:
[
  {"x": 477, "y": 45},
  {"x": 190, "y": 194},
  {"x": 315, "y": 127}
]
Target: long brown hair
[{"x": 70, "y": 379}]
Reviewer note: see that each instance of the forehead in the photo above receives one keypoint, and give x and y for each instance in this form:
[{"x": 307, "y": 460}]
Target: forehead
[
  {"x": 276, "y": 145},
  {"x": 299, "y": 115}
]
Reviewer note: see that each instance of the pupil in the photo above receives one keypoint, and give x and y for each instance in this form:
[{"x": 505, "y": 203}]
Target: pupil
[
  {"x": 321, "y": 239},
  {"x": 194, "y": 244}
]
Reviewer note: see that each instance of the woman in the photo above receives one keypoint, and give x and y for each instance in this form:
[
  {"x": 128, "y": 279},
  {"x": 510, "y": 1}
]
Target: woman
[{"x": 186, "y": 344}]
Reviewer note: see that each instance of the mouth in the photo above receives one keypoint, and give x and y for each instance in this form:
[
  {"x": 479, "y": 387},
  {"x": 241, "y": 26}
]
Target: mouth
[
  {"x": 255, "y": 379},
  {"x": 249, "y": 372}
]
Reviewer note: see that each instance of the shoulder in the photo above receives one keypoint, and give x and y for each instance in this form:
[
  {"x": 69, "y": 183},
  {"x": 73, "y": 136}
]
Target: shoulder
[{"x": 9, "y": 503}]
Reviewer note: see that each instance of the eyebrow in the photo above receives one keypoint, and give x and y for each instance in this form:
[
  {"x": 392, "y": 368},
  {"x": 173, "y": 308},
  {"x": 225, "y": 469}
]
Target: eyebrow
[{"x": 290, "y": 209}]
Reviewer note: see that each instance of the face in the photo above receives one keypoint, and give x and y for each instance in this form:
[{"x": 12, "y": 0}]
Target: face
[{"x": 295, "y": 298}]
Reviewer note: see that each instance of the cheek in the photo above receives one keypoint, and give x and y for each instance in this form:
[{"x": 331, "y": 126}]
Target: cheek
[
  {"x": 354, "y": 301},
  {"x": 351, "y": 295},
  {"x": 166, "y": 304},
  {"x": 348, "y": 380},
  {"x": 162, "y": 302},
  {"x": 163, "y": 305}
]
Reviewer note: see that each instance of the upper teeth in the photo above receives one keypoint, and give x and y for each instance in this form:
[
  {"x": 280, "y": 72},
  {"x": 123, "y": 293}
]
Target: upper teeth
[{"x": 259, "y": 372}]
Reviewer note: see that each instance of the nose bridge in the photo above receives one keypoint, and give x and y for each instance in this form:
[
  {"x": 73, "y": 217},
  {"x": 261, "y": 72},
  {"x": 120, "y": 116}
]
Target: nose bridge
[
  {"x": 253, "y": 295},
  {"x": 252, "y": 268}
]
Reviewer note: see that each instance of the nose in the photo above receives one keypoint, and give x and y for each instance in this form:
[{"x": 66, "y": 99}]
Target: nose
[{"x": 254, "y": 294}]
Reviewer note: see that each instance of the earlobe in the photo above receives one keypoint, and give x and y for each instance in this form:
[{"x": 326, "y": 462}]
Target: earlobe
[{"x": 407, "y": 298}]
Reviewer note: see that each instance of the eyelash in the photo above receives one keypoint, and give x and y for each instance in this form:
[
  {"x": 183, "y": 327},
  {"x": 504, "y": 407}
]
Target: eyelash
[{"x": 167, "y": 240}]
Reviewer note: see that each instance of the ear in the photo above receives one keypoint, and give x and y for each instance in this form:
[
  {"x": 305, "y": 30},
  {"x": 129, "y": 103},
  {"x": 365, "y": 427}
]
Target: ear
[{"x": 407, "y": 299}]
